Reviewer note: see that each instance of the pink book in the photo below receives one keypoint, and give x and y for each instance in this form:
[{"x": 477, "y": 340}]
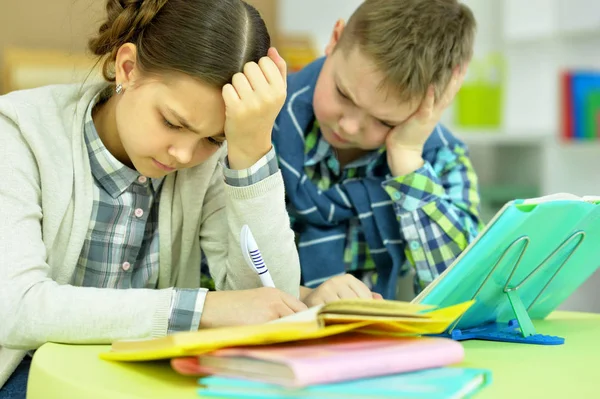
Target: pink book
[{"x": 328, "y": 360}]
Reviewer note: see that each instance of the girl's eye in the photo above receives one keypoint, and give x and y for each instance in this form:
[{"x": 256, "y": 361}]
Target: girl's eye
[
  {"x": 170, "y": 125},
  {"x": 214, "y": 141}
]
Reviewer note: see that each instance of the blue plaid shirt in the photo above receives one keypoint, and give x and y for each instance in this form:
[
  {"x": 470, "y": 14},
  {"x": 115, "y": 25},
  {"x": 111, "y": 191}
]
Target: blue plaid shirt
[
  {"x": 434, "y": 233},
  {"x": 122, "y": 243}
]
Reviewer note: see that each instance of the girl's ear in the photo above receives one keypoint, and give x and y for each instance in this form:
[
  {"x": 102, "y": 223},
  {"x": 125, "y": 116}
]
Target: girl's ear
[{"x": 126, "y": 68}]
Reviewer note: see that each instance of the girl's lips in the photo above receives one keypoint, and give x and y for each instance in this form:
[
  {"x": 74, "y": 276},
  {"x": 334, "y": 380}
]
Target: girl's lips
[{"x": 163, "y": 166}]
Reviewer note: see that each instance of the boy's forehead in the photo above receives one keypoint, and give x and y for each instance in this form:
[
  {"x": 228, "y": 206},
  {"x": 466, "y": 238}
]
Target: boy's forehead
[{"x": 355, "y": 73}]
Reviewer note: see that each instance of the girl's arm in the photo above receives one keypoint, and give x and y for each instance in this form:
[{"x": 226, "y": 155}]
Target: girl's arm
[
  {"x": 262, "y": 207},
  {"x": 34, "y": 308}
]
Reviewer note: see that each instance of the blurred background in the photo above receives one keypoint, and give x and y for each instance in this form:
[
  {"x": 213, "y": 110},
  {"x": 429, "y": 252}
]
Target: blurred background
[{"x": 529, "y": 109}]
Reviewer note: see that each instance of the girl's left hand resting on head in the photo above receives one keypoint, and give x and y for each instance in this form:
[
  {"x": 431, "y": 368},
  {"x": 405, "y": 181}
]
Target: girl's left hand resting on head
[{"x": 252, "y": 102}]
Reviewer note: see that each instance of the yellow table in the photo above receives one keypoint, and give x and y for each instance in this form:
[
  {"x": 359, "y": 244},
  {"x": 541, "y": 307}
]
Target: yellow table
[{"x": 519, "y": 371}]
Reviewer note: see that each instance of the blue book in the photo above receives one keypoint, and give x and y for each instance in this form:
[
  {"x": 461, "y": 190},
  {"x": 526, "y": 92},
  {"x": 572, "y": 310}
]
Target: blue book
[{"x": 437, "y": 383}]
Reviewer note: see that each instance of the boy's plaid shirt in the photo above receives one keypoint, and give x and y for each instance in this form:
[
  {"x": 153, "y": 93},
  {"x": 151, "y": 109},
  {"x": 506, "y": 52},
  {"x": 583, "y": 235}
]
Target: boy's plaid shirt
[{"x": 425, "y": 203}]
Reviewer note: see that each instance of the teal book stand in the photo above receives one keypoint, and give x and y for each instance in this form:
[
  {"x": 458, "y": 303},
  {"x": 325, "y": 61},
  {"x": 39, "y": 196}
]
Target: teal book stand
[{"x": 527, "y": 261}]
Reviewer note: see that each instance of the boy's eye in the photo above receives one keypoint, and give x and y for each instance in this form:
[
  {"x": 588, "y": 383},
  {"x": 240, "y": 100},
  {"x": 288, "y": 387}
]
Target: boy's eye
[
  {"x": 214, "y": 141},
  {"x": 340, "y": 93},
  {"x": 170, "y": 125},
  {"x": 387, "y": 125}
]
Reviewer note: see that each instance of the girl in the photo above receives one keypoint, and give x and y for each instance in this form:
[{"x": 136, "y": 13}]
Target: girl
[{"x": 111, "y": 193}]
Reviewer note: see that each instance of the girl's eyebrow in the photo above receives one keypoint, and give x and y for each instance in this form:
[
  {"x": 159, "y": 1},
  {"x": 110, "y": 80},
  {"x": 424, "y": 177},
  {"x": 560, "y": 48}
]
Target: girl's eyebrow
[{"x": 182, "y": 121}]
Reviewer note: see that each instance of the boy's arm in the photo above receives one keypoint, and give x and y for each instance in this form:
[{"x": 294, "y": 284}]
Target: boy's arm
[{"x": 437, "y": 207}]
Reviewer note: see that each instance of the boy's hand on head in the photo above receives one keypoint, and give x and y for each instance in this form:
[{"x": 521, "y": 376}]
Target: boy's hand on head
[
  {"x": 405, "y": 142},
  {"x": 252, "y": 102},
  {"x": 345, "y": 286},
  {"x": 243, "y": 307}
]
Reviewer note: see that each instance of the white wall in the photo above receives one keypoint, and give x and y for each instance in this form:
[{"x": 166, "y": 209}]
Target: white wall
[{"x": 314, "y": 17}]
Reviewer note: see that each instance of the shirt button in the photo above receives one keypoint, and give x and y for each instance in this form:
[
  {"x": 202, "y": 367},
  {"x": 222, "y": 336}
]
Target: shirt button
[
  {"x": 126, "y": 266},
  {"x": 397, "y": 195},
  {"x": 142, "y": 179},
  {"x": 139, "y": 212},
  {"x": 414, "y": 245}
]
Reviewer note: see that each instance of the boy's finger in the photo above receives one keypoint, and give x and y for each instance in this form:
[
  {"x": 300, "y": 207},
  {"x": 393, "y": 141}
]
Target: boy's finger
[
  {"x": 347, "y": 292},
  {"x": 455, "y": 83},
  {"x": 361, "y": 290},
  {"x": 427, "y": 106}
]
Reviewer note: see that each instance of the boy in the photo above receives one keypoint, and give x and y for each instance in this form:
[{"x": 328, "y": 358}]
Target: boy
[{"x": 374, "y": 184}]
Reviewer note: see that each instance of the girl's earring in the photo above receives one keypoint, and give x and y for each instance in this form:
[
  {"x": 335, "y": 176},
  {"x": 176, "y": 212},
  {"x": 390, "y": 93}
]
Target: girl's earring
[{"x": 119, "y": 88}]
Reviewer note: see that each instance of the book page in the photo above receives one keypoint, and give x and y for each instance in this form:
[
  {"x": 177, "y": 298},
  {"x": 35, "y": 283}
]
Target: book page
[{"x": 310, "y": 314}]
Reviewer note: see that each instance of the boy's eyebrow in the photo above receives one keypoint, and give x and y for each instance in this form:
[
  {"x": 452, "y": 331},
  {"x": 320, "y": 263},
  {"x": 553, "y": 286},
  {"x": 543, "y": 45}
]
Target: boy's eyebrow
[
  {"x": 182, "y": 120},
  {"x": 390, "y": 123},
  {"x": 347, "y": 93}
]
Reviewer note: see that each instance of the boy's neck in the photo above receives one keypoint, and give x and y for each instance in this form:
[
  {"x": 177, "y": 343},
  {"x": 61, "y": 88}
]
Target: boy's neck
[{"x": 348, "y": 155}]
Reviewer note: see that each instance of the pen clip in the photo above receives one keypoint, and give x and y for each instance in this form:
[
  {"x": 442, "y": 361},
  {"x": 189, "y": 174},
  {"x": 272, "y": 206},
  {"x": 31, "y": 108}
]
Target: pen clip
[
  {"x": 254, "y": 258},
  {"x": 244, "y": 242}
]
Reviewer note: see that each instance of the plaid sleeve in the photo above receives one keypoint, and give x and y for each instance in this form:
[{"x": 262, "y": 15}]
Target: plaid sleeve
[
  {"x": 265, "y": 167},
  {"x": 186, "y": 309},
  {"x": 438, "y": 211}
]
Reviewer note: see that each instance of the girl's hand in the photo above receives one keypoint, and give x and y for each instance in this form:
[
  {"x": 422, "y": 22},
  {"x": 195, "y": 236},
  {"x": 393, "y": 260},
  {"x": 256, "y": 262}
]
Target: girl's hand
[
  {"x": 254, "y": 306},
  {"x": 252, "y": 102}
]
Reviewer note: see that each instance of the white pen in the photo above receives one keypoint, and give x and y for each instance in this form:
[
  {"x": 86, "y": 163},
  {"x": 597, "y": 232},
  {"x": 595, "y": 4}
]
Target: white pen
[{"x": 254, "y": 258}]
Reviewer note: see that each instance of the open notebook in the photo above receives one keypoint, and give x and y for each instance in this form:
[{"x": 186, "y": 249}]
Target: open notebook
[{"x": 366, "y": 316}]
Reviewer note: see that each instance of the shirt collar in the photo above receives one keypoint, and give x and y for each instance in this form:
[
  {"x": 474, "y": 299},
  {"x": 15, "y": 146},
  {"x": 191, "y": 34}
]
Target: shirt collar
[{"x": 317, "y": 150}]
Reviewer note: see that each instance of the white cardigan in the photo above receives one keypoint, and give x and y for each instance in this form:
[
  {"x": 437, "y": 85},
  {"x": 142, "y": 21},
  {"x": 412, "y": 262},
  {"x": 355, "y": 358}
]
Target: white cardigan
[{"x": 45, "y": 208}]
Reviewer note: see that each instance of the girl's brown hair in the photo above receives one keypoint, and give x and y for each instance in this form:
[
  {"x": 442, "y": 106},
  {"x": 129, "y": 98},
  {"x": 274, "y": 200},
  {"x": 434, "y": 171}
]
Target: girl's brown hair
[{"x": 207, "y": 39}]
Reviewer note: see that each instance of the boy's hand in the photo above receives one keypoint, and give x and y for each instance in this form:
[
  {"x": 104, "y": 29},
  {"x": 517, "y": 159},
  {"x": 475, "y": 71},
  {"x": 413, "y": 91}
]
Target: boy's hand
[
  {"x": 255, "y": 306},
  {"x": 252, "y": 102},
  {"x": 345, "y": 286},
  {"x": 405, "y": 142}
]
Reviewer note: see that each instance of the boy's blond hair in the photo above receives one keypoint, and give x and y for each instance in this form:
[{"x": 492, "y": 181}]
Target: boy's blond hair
[{"x": 414, "y": 43}]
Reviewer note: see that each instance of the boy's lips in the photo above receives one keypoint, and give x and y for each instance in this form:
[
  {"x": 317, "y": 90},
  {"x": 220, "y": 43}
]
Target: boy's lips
[{"x": 338, "y": 137}]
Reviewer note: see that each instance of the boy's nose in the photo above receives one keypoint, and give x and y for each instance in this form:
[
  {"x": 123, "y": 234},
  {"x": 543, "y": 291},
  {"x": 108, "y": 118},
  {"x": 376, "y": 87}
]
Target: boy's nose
[{"x": 350, "y": 125}]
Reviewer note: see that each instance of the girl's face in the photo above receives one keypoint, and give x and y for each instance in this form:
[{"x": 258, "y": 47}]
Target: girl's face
[{"x": 166, "y": 123}]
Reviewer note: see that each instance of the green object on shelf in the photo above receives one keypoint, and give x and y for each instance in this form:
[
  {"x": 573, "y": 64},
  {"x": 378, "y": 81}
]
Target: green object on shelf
[
  {"x": 479, "y": 101},
  {"x": 592, "y": 116}
]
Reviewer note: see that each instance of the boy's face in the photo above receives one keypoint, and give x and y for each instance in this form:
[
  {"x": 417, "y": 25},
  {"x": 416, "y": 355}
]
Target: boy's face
[{"x": 352, "y": 108}]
